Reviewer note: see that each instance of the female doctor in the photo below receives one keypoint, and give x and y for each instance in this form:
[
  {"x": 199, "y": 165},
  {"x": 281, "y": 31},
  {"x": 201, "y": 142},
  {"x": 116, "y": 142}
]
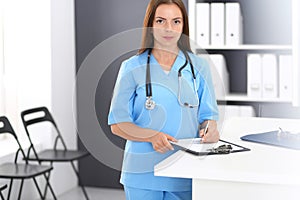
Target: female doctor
[{"x": 162, "y": 94}]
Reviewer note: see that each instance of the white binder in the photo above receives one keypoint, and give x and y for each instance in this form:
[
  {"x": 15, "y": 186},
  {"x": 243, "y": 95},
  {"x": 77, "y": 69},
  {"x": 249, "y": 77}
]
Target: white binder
[
  {"x": 233, "y": 24},
  {"x": 217, "y": 24},
  {"x": 285, "y": 77},
  {"x": 221, "y": 77},
  {"x": 254, "y": 75},
  {"x": 247, "y": 111},
  {"x": 229, "y": 111},
  {"x": 203, "y": 24},
  {"x": 270, "y": 76}
]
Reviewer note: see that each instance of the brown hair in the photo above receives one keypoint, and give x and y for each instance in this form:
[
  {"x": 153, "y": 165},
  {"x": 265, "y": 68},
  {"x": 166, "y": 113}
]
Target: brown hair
[{"x": 147, "y": 37}]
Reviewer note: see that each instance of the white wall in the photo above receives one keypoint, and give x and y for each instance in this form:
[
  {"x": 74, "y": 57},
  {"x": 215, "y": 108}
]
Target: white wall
[
  {"x": 1, "y": 62},
  {"x": 39, "y": 52},
  {"x": 63, "y": 83}
]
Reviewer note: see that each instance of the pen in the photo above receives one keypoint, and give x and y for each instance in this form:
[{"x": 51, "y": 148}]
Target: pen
[{"x": 206, "y": 127}]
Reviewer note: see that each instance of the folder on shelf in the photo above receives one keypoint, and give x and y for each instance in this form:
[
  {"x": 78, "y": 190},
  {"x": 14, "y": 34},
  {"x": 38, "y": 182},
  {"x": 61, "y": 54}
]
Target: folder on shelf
[
  {"x": 203, "y": 24},
  {"x": 217, "y": 24},
  {"x": 276, "y": 138},
  {"x": 220, "y": 75},
  {"x": 233, "y": 24},
  {"x": 229, "y": 111},
  {"x": 254, "y": 75},
  {"x": 270, "y": 76},
  {"x": 196, "y": 147},
  {"x": 285, "y": 77},
  {"x": 247, "y": 111}
]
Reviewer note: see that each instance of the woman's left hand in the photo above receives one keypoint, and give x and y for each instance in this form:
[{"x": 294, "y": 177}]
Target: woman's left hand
[{"x": 212, "y": 135}]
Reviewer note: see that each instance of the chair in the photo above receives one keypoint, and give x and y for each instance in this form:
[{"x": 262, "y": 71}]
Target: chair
[
  {"x": 50, "y": 155},
  {"x": 22, "y": 171},
  {"x": 3, "y": 187}
]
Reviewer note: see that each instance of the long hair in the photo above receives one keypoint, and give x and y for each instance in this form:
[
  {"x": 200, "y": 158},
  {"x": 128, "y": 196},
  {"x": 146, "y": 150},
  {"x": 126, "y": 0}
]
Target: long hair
[{"x": 147, "y": 37}]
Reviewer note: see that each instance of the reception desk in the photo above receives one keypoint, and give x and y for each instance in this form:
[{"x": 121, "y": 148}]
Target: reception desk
[{"x": 265, "y": 172}]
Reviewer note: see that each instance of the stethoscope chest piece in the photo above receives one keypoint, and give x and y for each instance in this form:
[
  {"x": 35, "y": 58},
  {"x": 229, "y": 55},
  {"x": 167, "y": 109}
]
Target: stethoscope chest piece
[{"x": 149, "y": 104}]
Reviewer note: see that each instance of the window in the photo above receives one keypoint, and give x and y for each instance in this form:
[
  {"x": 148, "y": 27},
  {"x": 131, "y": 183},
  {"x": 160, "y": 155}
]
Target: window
[{"x": 25, "y": 60}]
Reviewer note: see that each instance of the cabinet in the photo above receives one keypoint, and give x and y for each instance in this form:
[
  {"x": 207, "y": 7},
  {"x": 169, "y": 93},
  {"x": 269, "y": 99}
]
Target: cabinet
[{"x": 269, "y": 26}]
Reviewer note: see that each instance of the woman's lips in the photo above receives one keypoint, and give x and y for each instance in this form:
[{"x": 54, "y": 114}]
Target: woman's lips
[{"x": 168, "y": 37}]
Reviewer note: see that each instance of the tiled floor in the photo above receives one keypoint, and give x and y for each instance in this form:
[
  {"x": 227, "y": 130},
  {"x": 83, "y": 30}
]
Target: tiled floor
[{"x": 94, "y": 194}]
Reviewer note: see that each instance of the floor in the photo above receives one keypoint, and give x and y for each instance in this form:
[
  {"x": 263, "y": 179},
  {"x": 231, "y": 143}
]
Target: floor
[{"x": 94, "y": 194}]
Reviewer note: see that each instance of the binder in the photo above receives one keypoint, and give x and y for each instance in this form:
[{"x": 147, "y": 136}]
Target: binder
[
  {"x": 196, "y": 147},
  {"x": 247, "y": 111},
  {"x": 285, "y": 77},
  {"x": 221, "y": 78},
  {"x": 203, "y": 24},
  {"x": 254, "y": 75},
  {"x": 237, "y": 111},
  {"x": 217, "y": 24},
  {"x": 232, "y": 111},
  {"x": 233, "y": 24},
  {"x": 270, "y": 76},
  {"x": 275, "y": 138}
]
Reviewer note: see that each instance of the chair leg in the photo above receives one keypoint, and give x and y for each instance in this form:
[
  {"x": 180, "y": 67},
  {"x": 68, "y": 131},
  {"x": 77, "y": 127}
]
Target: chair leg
[
  {"x": 9, "y": 190},
  {"x": 38, "y": 188},
  {"x": 20, "y": 190},
  {"x": 2, "y": 197},
  {"x": 49, "y": 185},
  {"x": 77, "y": 174}
]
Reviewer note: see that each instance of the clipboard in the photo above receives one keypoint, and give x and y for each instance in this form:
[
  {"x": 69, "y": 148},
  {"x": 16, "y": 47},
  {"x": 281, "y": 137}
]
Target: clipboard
[
  {"x": 196, "y": 147},
  {"x": 276, "y": 138}
]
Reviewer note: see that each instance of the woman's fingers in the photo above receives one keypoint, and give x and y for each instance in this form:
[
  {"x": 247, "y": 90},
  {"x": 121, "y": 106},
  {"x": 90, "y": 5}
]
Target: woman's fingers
[{"x": 161, "y": 144}]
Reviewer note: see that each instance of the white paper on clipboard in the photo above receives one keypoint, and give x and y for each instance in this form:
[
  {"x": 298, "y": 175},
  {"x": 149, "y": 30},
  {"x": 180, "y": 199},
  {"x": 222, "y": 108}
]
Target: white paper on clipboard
[{"x": 195, "y": 146}]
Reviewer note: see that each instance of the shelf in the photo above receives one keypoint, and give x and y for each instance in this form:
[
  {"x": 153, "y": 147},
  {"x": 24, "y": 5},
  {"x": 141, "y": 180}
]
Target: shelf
[
  {"x": 245, "y": 98},
  {"x": 249, "y": 47}
]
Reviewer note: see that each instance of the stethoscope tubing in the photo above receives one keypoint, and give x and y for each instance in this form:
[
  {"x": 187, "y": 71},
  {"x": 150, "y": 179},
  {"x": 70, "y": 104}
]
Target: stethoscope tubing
[{"x": 150, "y": 104}]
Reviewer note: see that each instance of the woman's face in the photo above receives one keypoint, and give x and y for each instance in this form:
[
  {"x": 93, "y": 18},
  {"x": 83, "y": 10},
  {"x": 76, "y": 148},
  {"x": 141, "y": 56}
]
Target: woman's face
[{"x": 167, "y": 26}]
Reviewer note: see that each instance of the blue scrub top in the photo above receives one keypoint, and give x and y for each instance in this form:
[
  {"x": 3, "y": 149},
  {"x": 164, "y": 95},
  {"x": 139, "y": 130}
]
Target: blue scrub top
[{"x": 128, "y": 105}]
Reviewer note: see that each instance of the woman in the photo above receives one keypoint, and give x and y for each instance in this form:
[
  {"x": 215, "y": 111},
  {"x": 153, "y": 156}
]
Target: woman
[{"x": 174, "y": 99}]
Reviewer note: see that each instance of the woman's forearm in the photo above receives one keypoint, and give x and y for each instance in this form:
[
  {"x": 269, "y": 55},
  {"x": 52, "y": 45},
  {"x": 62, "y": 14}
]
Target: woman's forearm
[{"x": 130, "y": 131}]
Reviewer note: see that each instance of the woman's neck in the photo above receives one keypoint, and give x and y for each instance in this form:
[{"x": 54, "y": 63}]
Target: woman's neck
[{"x": 165, "y": 58}]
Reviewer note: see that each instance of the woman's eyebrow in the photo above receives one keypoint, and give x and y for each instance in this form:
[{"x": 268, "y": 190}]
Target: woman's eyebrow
[
  {"x": 160, "y": 17},
  {"x": 165, "y": 18},
  {"x": 177, "y": 18}
]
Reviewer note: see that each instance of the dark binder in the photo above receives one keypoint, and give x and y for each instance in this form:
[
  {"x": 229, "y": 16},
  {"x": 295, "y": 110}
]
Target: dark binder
[{"x": 275, "y": 138}]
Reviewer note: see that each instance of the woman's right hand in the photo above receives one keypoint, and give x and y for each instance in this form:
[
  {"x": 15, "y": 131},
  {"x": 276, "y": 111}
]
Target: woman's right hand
[{"x": 160, "y": 142}]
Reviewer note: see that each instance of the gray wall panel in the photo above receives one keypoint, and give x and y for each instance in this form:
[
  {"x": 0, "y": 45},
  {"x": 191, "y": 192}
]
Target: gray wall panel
[{"x": 97, "y": 20}]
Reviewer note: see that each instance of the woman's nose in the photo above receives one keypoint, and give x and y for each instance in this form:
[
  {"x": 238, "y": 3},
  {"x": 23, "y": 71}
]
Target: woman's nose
[{"x": 168, "y": 26}]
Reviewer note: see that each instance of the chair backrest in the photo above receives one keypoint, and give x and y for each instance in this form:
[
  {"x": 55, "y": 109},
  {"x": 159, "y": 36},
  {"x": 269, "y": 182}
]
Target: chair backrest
[
  {"x": 45, "y": 117},
  {"x": 5, "y": 127},
  {"x": 34, "y": 119}
]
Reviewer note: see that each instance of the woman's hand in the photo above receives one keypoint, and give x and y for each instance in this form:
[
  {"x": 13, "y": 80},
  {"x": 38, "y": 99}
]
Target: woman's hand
[
  {"x": 212, "y": 135},
  {"x": 160, "y": 142}
]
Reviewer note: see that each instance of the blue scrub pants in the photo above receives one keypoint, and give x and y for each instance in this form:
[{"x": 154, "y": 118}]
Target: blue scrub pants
[{"x": 141, "y": 194}]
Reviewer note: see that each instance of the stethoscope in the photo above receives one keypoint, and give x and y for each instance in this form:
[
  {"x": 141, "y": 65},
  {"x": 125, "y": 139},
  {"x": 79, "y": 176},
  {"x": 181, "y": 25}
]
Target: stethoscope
[{"x": 150, "y": 103}]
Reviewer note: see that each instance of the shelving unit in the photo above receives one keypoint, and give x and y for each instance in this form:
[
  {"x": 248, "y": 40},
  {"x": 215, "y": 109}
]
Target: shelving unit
[
  {"x": 250, "y": 47},
  {"x": 245, "y": 98},
  {"x": 267, "y": 28}
]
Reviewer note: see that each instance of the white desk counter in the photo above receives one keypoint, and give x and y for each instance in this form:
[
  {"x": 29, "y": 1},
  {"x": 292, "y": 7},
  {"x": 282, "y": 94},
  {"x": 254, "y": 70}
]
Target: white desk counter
[{"x": 265, "y": 172}]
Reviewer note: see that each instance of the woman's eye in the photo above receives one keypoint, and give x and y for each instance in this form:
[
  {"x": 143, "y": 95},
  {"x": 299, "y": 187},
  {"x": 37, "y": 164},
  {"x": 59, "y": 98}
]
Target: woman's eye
[
  {"x": 177, "y": 21},
  {"x": 159, "y": 21}
]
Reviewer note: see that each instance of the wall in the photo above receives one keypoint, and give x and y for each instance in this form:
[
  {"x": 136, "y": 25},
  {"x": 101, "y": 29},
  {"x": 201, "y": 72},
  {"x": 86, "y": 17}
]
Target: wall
[
  {"x": 40, "y": 71},
  {"x": 63, "y": 85}
]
